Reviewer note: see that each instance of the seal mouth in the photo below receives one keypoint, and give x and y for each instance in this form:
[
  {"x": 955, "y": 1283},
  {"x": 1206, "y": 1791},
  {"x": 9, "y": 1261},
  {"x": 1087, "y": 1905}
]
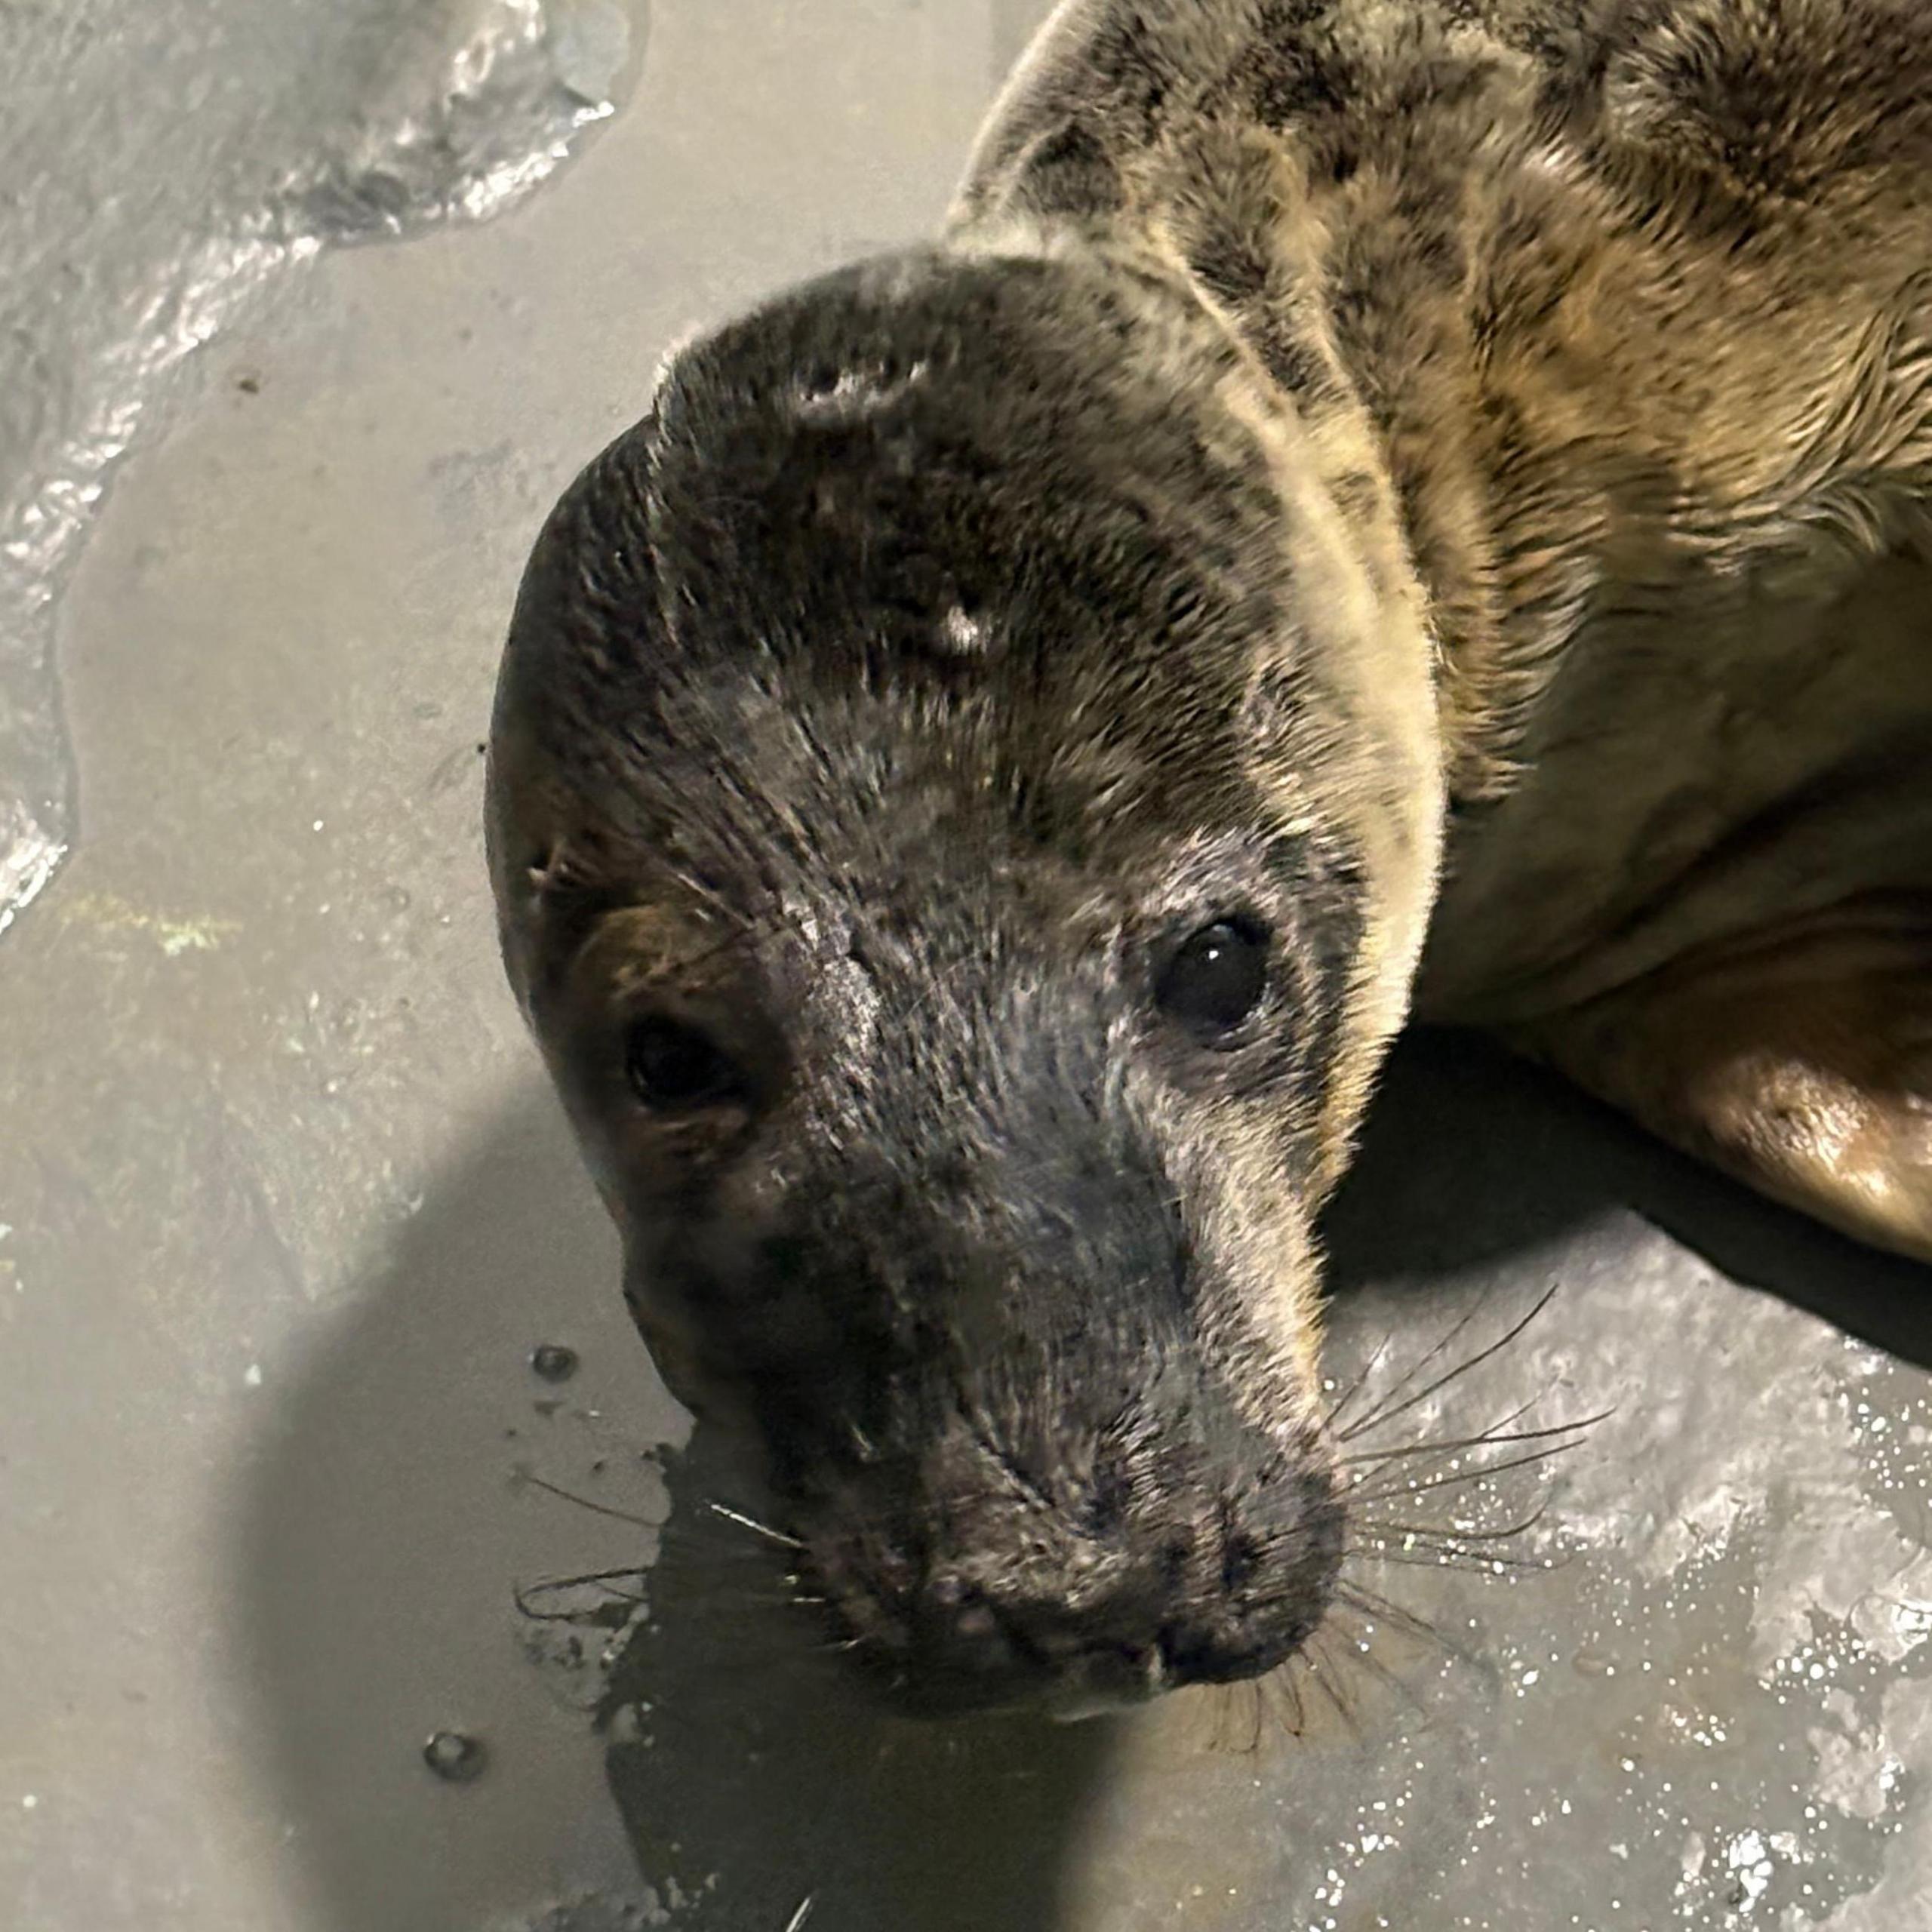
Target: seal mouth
[
  {"x": 1114, "y": 1687},
  {"x": 1105, "y": 1683},
  {"x": 1102, "y": 1681},
  {"x": 1109, "y": 1680},
  {"x": 1038, "y": 1611}
]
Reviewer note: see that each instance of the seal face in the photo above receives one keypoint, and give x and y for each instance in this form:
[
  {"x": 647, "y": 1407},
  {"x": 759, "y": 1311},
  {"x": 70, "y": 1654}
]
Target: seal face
[
  {"x": 948, "y": 1012},
  {"x": 973, "y": 767}
]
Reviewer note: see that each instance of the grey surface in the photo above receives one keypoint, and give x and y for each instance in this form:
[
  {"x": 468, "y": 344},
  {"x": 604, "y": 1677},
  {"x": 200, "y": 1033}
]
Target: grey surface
[
  {"x": 169, "y": 164},
  {"x": 286, "y": 1207}
]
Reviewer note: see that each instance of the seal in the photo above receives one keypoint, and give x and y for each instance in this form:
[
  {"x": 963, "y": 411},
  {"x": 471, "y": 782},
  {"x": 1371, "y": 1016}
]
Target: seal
[{"x": 1367, "y": 509}]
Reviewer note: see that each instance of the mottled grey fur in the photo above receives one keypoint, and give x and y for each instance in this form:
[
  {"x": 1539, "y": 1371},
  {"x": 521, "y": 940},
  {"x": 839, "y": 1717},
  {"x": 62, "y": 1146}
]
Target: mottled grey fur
[{"x": 1446, "y": 485}]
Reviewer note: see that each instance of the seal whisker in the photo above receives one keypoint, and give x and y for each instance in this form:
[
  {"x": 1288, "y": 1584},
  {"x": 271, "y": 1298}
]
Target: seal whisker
[
  {"x": 707, "y": 894},
  {"x": 1363, "y": 1657},
  {"x": 752, "y": 1523},
  {"x": 1502, "y": 1535},
  {"x": 599, "y": 1615},
  {"x": 1327, "y": 1426},
  {"x": 1358, "y": 1596},
  {"x": 1419, "y": 1474},
  {"x": 1321, "y": 1672},
  {"x": 1224, "y": 1706},
  {"x": 1258, "y": 1717},
  {"x": 1381, "y": 1416},
  {"x": 741, "y": 1606},
  {"x": 1395, "y": 1532},
  {"x": 1285, "y": 1685},
  {"x": 1407, "y": 1379},
  {"x": 1428, "y": 1555},
  {"x": 1489, "y": 1438},
  {"x": 714, "y": 1542},
  {"x": 1456, "y": 1478}
]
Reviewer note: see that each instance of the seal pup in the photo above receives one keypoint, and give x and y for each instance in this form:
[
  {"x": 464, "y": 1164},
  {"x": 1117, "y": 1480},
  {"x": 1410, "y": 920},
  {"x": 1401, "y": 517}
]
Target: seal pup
[{"x": 1368, "y": 509}]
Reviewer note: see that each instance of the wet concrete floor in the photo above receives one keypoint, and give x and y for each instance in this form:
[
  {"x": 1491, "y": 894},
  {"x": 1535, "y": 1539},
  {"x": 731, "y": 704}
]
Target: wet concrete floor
[{"x": 287, "y": 1209}]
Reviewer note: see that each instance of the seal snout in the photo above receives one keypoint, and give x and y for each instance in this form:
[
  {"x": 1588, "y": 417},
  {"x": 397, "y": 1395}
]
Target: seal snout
[
  {"x": 949, "y": 1012},
  {"x": 1078, "y": 1594}
]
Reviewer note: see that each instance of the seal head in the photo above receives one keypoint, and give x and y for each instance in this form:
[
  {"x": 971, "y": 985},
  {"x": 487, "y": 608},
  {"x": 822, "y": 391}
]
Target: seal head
[{"x": 954, "y": 1003}]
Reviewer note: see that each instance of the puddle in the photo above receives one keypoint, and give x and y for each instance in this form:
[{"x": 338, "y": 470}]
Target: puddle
[{"x": 173, "y": 163}]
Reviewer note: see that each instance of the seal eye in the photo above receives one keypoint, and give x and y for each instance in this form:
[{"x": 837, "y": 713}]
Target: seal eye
[
  {"x": 1216, "y": 979},
  {"x": 675, "y": 1069}
]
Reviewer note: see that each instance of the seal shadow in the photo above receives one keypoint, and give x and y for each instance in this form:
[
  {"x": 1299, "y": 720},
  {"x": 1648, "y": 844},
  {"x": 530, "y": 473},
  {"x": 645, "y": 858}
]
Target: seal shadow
[
  {"x": 1472, "y": 1155},
  {"x": 383, "y": 1523},
  {"x": 380, "y": 1531},
  {"x": 747, "y": 1768},
  {"x": 383, "y": 1520}
]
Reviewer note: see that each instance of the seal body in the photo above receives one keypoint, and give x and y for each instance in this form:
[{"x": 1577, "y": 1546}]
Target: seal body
[
  {"x": 1622, "y": 313},
  {"x": 1368, "y": 507}
]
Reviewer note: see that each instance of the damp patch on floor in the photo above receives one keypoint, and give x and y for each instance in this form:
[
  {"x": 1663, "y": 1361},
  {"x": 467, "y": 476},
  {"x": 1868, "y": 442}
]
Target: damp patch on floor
[{"x": 171, "y": 164}]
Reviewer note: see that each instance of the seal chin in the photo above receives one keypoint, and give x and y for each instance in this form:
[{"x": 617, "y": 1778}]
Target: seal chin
[
  {"x": 1108, "y": 1693},
  {"x": 1005, "y": 1677},
  {"x": 1104, "y": 1684}
]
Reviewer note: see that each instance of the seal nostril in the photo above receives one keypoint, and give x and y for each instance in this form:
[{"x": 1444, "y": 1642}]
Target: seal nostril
[
  {"x": 1172, "y": 1650},
  {"x": 956, "y": 1613},
  {"x": 947, "y": 1594},
  {"x": 961, "y": 1632},
  {"x": 975, "y": 1624},
  {"x": 1106, "y": 1504},
  {"x": 822, "y": 380},
  {"x": 1241, "y": 1557}
]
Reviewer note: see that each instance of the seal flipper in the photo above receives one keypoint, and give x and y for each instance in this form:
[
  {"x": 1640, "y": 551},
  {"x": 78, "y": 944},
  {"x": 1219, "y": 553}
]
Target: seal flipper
[{"x": 1797, "y": 1058}]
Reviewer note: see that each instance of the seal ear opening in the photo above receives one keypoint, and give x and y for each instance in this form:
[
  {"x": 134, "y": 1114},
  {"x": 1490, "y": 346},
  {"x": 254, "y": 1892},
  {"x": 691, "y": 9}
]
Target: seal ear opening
[
  {"x": 545, "y": 869},
  {"x": 568, "y": 889}
]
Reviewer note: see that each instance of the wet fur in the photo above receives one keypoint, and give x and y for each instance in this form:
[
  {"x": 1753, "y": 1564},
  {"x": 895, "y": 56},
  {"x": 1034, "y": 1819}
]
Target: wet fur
[
  {"x": 1313, "y": 413},
  {"x": 1618, "y": 318}
]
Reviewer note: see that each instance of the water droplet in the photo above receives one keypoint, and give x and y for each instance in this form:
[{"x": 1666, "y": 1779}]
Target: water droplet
[
  {"x": 455, "y": 1757},
  {"x": 552, "y": 1363}
]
